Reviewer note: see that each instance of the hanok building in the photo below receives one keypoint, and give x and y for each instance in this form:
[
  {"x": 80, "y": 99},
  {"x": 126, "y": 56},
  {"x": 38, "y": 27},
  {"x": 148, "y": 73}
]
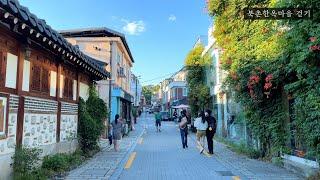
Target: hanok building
[
  {"x": 109, "y": 47},
  {"x": 42, "y": 77}
]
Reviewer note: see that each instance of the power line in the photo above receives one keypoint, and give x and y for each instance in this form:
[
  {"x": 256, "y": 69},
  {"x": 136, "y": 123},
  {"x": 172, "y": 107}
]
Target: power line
[{"x": 159, "y": 77}]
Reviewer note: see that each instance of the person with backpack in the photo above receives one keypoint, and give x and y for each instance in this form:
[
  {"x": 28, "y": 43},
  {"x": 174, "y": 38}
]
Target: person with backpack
[
  {"x": 158, "y": 120},
  {"x": 183, "y": 125},
  {"x": 211, "y": 130}
]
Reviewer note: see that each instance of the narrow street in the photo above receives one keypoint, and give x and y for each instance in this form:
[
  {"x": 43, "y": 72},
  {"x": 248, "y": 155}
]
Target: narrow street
[{"x": 161, "y": 156}]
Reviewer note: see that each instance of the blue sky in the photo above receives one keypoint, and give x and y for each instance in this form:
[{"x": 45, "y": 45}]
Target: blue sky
[{"x": 159, "y": 32}]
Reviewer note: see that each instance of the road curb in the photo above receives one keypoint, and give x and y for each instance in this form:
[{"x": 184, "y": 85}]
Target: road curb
[{"x": 117, "y": 173}]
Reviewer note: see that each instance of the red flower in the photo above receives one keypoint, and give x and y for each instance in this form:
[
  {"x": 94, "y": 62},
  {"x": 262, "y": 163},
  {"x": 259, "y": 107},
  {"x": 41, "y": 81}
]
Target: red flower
[
  {"x": 269, "y": 77},
  {"x": 254, "y": 79},
  {"x": 312, "y": 39},
  {"x": 314, "y": 47},
  {"x": 267, "y": 85}
]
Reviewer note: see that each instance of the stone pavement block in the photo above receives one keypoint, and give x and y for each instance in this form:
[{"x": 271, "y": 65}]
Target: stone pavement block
[{"x": 104, "y": 163}]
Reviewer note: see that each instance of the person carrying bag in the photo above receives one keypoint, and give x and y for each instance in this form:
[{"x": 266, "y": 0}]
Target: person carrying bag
[{"x": 183, "y": 125}]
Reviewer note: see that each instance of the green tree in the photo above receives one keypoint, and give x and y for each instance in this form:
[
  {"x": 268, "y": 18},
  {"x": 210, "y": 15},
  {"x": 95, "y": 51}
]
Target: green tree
[
  {"x": 199, "y": 93},
  {"x": 147, "y": 92},
  {"x": 267, "y": 60}
]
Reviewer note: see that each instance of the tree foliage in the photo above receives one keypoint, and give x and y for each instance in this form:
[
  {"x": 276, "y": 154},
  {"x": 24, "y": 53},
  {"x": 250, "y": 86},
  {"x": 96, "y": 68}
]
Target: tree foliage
[
  {"x": 267, "y": 61},
  {"x": 92, "y": 114},
  {"x": 199, "y": 93}
]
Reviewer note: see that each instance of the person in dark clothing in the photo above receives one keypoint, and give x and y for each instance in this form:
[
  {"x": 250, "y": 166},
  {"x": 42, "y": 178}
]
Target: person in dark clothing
[
  {"x": 183, "y": 125},
  {"x": 211, "y": 130}
]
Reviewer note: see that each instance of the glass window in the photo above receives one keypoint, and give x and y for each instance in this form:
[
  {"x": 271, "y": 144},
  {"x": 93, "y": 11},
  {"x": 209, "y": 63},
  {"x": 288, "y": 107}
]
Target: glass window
[
  {"x": 185, "y": 91},
  {"x": 3, "y": 114}
]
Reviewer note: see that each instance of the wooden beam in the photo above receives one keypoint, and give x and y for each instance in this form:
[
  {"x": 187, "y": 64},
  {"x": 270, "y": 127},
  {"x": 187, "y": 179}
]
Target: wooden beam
[{"x": 20, "y": 121}]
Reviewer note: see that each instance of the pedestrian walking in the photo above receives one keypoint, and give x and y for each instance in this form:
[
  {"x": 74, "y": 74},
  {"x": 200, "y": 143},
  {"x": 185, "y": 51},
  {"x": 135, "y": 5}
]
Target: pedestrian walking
[
  {"x": 201, "y": 124},
  {"x": 211, "y": 130},
  {"x": 117, "y": 132},
  {"x": 175, "y": 116},
  {"x": 183, "y": 125},
  {"x": 158, "y": 120}
]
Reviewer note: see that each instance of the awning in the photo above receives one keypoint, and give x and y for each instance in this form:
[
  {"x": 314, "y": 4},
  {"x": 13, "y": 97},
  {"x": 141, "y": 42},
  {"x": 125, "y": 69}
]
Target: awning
[{"x": 181, "y": 106}]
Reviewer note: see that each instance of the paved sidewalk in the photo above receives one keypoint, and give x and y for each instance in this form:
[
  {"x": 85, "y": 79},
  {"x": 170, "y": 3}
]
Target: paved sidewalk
[
  {"x": 250, "y": 168},
  {"x": 105, "y": 163}
]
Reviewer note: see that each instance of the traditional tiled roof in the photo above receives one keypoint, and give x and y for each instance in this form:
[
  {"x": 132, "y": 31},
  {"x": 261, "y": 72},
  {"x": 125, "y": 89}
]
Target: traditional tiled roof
[
  {"x": 97, "y": 32},
  {"x": 36, "y": 29}
]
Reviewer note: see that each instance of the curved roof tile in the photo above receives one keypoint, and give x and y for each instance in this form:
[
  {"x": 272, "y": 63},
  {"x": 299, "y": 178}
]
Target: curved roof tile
[{"x": 13, "y": 7}]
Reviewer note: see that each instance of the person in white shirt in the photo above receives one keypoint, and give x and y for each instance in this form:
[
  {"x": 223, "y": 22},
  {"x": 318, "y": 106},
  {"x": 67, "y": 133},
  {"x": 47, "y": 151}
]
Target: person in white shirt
[{"x": 201, "y": 124}]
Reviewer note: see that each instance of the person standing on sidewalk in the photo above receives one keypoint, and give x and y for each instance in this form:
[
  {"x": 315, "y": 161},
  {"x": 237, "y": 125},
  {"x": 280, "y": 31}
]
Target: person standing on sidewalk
[
  {"x": 116, "y": 132},
  {"x": 183, "y": 125},
  {"x": 211, "y": 130},
  {"x": 157, "y": 116},
  {"x": 201, "y": 124}
]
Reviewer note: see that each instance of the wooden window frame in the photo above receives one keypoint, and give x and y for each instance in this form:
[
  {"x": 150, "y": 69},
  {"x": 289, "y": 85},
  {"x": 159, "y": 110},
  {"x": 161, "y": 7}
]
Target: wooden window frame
[
  {"x": 68, "y": 76},
  {"x": 4, "y": 135}
]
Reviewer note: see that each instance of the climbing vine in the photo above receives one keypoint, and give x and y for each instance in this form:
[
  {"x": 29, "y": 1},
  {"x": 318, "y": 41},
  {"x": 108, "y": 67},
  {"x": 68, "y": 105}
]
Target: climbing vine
[
  {"x": 199, "y": 93},
  {"x": 269, "y": 62}
]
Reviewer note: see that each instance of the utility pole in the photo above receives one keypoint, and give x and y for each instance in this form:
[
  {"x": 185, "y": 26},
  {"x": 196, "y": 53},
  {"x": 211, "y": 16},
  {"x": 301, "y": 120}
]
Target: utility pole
[{"x": 110, "y": 81}]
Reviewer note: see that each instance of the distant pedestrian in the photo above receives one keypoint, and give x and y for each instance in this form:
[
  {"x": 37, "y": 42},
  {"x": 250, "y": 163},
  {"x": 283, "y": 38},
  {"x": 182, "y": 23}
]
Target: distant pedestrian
[
  {"x": 157, "y": 117},
  {"x": 116, "y": 132},
  {"x": 201, "y": 124},
  {"x": 183, "y": 125},
  {"x": 175, "y": 116},
  {"x": 110, "y": 134},
  {"x": 211, "y": 130}
]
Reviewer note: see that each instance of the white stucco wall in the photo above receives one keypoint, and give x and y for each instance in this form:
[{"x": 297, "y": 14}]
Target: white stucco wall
[
  {"x": 11, "y": 73},
  {"x": 26, "y": 75},
  {"x": 53, "y": 83},
  {"x": 61, "y": 85},
  {"x": 83, "y": 91},
  {"x": 74, "y": 90}
]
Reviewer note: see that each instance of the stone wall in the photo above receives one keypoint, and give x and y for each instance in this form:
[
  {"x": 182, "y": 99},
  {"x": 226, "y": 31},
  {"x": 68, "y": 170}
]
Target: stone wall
[
  {"x": 69, "y": 121},
  {"x": 7, "y": 145},
  {"x": 40, "y": 122}
]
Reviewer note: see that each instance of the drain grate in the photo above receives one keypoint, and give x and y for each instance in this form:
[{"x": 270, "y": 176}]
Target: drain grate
[{"x": 225, "y": 173}]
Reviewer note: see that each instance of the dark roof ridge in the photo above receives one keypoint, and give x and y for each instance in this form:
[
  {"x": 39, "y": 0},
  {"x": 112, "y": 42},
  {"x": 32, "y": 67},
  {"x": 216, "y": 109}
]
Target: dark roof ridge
[
  {"x": 27, "y": 19},
  {"x": 96, "y": 32}
]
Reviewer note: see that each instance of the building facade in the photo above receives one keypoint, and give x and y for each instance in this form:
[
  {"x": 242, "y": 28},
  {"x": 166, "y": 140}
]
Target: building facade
[
  {"x": 174, "y": 91},
  {"x": 42, "y": 78},
  {"x": 226, "y": 110},
  {"x": 111, "y": 48},
  {"x": 136, "y": 90}
]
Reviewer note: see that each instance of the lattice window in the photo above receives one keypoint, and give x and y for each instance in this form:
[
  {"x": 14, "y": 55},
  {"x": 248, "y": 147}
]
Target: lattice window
[
  {"x": 45, "y": 81},
  {"x": 36, "y": 78},
  {"x": 65, "y": 87},
  {"x": 68, "y": 88},
  {"x": 2, "y": 69}
]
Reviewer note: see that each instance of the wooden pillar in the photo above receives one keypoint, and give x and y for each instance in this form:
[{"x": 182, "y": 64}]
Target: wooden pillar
[
  {"x": 78, "y": 86},
  {"x": 59, "y": 69},
  {"x": 20, "y": 70},
  {"x": 58, "y": 90},
  {"x": 20, "y": 121},
  {"x": 20, "y": 118},
  {"x": 58, "y": 122}
]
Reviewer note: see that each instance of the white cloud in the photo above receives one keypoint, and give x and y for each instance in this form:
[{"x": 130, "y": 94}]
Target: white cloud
[
  {"x": 134, "y": 27},
  {"x": 172, "y": 18}
]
